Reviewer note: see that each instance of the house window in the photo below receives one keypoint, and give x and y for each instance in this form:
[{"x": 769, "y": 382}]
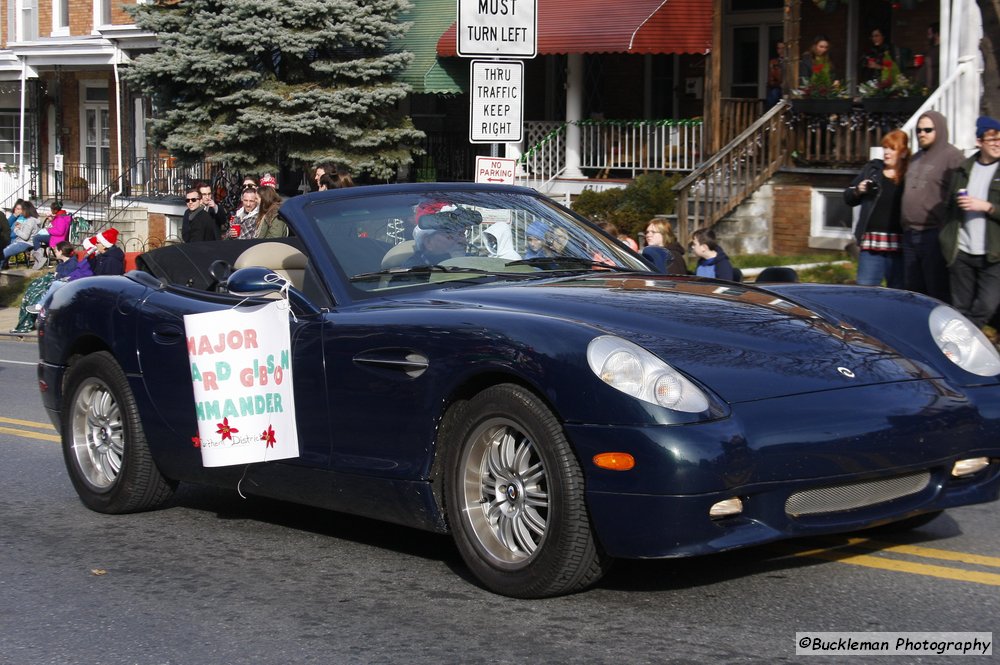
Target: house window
[
  {"x": 60, "y": 18},
  {"x": 10, "y": 136},
  {"x": 831, "y": 220},
  {"x": 102, "y": 15}
]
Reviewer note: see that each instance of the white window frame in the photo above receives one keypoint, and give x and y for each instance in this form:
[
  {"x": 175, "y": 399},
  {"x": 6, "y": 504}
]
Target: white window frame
[
  {"x": 26, "y": 21},
  {"x": 102, "y": 10},
  {"x": 60, "y": 18},
  {"x": 822, "y": 236}
]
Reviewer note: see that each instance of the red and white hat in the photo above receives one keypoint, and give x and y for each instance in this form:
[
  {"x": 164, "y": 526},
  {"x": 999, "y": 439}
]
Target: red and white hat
[
  {"x": 90, "y": 245},
  {"x": 268, "y": 180},
  {"x": 108, "y": 237}
]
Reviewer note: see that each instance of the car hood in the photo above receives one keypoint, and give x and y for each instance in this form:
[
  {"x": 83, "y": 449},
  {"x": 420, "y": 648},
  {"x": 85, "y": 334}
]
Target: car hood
[{"x": 744, "y": 343}]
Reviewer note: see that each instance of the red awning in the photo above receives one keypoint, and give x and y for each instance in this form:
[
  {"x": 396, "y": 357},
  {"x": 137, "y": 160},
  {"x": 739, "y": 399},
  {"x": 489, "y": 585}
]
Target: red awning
[{"x": 615, "y": 26}]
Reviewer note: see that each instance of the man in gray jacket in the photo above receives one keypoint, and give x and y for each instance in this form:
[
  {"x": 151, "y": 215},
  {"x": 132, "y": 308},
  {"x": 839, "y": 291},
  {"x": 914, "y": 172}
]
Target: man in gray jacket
[{"x": 924, "y": 207}]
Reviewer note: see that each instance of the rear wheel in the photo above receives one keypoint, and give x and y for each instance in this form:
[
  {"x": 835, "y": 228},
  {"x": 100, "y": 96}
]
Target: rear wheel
[
  {"x": 515, "y": 497},
  {"x": 103, "y": 442}
]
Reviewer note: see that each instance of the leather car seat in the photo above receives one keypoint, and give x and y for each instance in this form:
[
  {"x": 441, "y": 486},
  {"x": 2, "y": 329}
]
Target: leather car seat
[{"x": 282, "y": 258}]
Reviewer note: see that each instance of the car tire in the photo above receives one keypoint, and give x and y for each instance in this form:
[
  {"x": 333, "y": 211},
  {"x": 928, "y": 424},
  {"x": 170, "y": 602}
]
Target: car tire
[
  {"x": 103, "y": 442},
  {"x": 515, "y": 497}
]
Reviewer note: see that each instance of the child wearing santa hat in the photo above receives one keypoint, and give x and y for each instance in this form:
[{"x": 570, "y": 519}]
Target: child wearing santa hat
[{"x": 108, "y": 258}]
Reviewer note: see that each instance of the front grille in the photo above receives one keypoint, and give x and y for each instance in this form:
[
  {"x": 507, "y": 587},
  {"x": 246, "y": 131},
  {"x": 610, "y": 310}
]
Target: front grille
[{"x": 838, "y": 498}]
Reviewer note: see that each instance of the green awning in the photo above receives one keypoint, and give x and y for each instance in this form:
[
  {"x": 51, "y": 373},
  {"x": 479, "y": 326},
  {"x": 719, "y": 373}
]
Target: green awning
[{"x": 427, "y": 73}]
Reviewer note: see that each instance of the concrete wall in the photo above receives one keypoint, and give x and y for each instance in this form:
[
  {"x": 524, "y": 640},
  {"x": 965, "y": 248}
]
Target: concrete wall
[{"x": 747, "y": 230}]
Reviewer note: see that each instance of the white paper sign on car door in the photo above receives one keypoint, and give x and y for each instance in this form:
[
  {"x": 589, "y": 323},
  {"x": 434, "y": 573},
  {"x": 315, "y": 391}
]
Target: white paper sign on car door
[{"x": 242, "y": 375}]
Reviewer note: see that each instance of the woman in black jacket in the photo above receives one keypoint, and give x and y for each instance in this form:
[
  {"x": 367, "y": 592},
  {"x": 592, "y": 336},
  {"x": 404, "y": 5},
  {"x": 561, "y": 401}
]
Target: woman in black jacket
[{"x": 878, "y": 189}]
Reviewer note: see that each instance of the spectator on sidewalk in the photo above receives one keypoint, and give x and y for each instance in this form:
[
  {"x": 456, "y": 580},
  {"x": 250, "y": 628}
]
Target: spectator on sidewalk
[
  {"x": 878, "y": 189},
  {"x": 219, "y": 215},
  {"x": 26, "y": 226},
  {"x": 712, "y": 260},
  {"x": 245, "y": 219},
  {"x": 198, "y": 224},
  {"x": 662, "y": 248},
  {"x": 59, "y": 224},
  {"x": 970, "y": 238},
  {"x": 924, "y": 207},
  {"x": 108, "y": 257},
  {"x": 69, "y": 269}
]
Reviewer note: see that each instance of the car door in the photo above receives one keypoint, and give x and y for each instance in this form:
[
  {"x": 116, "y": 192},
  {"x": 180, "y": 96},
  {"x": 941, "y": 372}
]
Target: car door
[{"x": 166, "y": 378}]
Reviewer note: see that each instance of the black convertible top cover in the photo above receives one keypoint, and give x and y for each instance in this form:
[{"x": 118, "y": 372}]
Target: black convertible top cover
[{"x": 189, "y": 264}]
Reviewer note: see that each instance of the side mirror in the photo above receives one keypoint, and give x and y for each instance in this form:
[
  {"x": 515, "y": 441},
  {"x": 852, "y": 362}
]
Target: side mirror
[{"x": 256, "y": 282}]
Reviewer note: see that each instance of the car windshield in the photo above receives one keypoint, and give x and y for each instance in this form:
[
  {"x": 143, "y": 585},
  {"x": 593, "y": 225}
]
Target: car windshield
[{"x": 406, "y": 239}]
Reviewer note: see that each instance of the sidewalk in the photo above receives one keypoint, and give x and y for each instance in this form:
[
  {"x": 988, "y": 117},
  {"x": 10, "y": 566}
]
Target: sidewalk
[
  {"x": 10, "y": 315},
  {"x": 8, "y": 319}
]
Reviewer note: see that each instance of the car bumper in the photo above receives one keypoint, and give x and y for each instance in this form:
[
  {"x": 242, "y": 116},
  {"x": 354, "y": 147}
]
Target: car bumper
[
  {"x": 50, "y": 381},
  {"x": 856, "y": 441}
]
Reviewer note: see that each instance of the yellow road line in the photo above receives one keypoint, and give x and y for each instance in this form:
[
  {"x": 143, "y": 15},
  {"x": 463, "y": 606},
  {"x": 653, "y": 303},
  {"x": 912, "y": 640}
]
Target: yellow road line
[
  {"x": 927, "y": 552},
  {"x": 27, "y": 423},
  {"x": 29, "y": 434},
  {"x": 869, "y": 561}
]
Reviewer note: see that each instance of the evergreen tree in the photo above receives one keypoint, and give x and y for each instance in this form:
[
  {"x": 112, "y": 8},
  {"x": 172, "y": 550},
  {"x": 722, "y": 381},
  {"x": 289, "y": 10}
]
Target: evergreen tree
[{"x": 261, "y": 83}]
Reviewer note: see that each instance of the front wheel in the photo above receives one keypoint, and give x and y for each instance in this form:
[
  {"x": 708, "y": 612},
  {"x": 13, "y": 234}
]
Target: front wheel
[
  {"x": 515, "y": 497},
  {"x": 103, "y": 443}
]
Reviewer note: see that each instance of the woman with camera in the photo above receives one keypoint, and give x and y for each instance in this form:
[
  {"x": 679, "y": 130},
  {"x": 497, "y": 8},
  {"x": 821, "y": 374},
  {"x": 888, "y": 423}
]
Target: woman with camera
[{"x": 878, "y": 189}]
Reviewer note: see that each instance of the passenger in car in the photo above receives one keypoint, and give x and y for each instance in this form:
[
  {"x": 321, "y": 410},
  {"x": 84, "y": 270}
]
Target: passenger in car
[
  {"x": 536, "y": 241},
  {"x": 432, "y": 246},
  {"x": 500, "y": 242}
]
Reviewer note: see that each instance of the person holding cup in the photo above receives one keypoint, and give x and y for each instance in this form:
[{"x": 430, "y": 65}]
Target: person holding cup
[
  {"x": 244, "y": 224},
  {"x": 970, "y": 238}
]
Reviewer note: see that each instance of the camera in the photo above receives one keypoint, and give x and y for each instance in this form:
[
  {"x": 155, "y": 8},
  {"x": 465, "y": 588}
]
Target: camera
[{"x": 872, "y": 187}]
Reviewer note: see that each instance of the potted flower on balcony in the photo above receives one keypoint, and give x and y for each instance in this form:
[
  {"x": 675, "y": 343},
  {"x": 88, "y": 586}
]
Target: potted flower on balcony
[
  {"x": 891, "y": 92},
  {"x": 820, "y": 93}
]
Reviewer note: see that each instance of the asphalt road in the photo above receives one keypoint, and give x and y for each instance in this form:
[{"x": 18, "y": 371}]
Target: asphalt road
[{"x": 218, "y": 579}]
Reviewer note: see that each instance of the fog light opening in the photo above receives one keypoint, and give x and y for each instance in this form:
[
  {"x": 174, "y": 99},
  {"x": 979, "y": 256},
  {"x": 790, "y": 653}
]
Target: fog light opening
[
  {"x": 967, "y": 467},
  {"x": 727, "y": 508}
]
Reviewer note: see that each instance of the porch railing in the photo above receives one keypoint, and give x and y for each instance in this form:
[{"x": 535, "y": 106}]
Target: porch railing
[
  {"x": 545, "y": 157},
  {"x": 735, "y": 115},
  {"x": 729, "y": 176},
  {"x": 609, "y": 146},
  {"x": 957, "y": 99},
  {"x": 636, "y": 146}
]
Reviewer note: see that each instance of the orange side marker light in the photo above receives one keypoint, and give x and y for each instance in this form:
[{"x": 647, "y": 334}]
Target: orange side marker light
[{"x": 615, "y": 461}]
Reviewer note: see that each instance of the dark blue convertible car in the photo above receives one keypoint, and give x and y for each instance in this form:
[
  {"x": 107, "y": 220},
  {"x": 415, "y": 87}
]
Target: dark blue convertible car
[{"x": 481, "y": 361}]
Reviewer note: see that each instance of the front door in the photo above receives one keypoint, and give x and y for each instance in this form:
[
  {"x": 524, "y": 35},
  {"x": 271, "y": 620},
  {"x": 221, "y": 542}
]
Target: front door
[{"x": 95, "y": 138}]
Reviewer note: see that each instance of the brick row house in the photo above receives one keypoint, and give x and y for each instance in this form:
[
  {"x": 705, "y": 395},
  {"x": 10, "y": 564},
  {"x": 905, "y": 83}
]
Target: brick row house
[
  {"x": 616, "y": 90},
  {"x": 69, "y": 129}
]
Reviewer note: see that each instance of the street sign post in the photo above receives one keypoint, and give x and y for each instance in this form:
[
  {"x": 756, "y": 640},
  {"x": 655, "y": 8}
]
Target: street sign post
[
  {"x": 507, "y": 28},
  {"x": 495, "y": 170},
  {"x": 496, "y": 101}
]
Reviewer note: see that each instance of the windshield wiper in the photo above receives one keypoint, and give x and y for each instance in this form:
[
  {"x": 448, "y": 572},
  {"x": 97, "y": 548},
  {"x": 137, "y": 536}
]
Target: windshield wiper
[
  {"x": 419, "y": 270},
  {"x": 566, "y": 263}
]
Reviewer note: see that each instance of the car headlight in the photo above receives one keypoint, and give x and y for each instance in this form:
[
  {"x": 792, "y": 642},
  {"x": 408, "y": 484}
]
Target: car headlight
[
  {"x": 635, "y": 371},
  {"x": 962, "y": 342}
]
